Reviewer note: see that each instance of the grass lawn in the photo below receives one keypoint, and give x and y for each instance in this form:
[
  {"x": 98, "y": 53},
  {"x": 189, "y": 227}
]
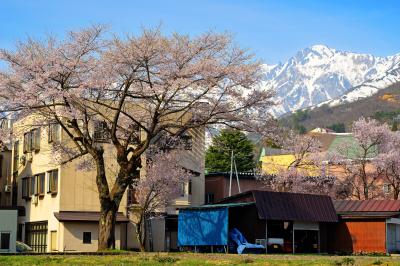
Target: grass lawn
[{"x": 195, "y": 259}]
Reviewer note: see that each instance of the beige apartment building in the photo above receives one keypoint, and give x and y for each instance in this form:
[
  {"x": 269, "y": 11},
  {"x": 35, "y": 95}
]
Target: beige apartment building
[{"x": 61, "y": 205}]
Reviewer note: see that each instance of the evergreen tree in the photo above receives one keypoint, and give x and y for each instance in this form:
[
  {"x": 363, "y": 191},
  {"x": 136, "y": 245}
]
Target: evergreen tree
[
  {"x": 338, "y": 127},
  {"x": 395, "y": 126},
  {"x": 218, "y": 155}
]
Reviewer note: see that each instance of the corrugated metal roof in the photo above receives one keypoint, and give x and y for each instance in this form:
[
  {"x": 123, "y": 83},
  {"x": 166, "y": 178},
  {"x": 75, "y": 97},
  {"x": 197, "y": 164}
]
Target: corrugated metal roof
[
  {"x": 345, "y": 206},
  {"x": 294, "y": 206},
  {"x": 215, "y": 206},
  {"x": 65, "y": 216},
  {"x": 241, "y": 175}
]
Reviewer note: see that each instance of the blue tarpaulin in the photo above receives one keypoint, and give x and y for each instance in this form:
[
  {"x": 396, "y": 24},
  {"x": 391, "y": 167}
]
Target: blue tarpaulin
[{"x": 203, "y": 227}]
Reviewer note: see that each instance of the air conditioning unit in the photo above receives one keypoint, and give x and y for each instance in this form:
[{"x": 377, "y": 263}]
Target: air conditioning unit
[
  {"x": 35, "y": 199},
  {"x": 7, "y": 188}
]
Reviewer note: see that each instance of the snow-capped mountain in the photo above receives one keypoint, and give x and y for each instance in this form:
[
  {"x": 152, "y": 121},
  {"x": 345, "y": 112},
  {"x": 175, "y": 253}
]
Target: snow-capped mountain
[
  {"x": 366, "y": 89},
  {"x": 320, "y": 74}
]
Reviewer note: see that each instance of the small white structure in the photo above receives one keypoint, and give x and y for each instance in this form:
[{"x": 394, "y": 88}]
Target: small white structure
[{"x": 8, "y": 230}]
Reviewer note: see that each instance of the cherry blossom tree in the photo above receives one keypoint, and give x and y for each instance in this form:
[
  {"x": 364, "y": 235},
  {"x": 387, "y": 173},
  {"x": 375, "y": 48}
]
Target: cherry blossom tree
[
  {"x": 388, "y": 163},
  {"x": 135, "y": 89},
  {"x": 358, "y": 159},
  {"x": 305, "y": 171},
  {"x": 162, "y": 183}
]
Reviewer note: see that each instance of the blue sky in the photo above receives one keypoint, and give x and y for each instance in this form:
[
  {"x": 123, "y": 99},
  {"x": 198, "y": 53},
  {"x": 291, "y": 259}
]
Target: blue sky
[{"x": 273, "y": 30}]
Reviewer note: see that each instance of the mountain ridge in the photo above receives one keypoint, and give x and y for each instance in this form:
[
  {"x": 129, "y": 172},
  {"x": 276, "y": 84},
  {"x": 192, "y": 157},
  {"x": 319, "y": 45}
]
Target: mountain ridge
[{"x": 319, "y": 74}]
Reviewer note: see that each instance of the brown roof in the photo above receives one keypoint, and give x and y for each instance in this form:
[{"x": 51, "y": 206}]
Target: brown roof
[
  {"x": 290, "y": 206},
  {"x": 324, "y": 139},
  {"x": 359, "y": 206},
  {"x": 76, "y": 216}
]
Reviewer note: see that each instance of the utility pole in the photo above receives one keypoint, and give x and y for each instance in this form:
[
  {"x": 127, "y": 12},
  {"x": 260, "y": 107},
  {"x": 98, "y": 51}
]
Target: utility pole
[
  {"x": 233, "y": 163},
  {"x": 230, "y": 176}
]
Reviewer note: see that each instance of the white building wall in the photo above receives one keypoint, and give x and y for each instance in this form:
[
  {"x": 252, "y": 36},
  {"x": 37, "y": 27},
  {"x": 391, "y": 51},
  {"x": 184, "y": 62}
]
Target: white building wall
[{"x": 8, "y": 224}]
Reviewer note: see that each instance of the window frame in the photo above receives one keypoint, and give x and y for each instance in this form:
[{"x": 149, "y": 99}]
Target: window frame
[
  {"x": 36, "y": 136},
  {"x": 100, "y": 131},
  {"x": 52, "y": 187},
  {"x": 53, "y": 133},
  {"x": 25, "y": 188},
  {"x": 84, "y": 239},
  {"x": 16, "y": 156},
  {"x": 210, "y": 196},
  {"x": 33, "y": 186},
  {"x": 27, "y": 142},
  {"x": 40, "y": 180},
  {"x": 190, "y": 187}
]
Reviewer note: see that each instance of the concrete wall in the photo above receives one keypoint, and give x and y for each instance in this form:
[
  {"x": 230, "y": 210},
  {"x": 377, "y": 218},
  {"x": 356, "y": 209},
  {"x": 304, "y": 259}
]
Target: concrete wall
[
  {"x": 8, "y": 224},
  {"x": 73, "y": 236}
]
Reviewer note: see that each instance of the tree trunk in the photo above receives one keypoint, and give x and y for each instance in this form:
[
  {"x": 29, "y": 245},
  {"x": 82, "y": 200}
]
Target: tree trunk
[
  {"x": 141, "y": 231},
  {"x": 396, "y": 194},
  {"x": 365, "y": 188},
  {"x": 110, "y": 200},
  {"x": 140, "y": 237},
  {"x": 107, "y": 221}
]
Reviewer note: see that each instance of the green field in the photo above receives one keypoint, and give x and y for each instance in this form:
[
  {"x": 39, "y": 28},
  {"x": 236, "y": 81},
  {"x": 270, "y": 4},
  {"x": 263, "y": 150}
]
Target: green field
[{"x": 195, "y": 259}]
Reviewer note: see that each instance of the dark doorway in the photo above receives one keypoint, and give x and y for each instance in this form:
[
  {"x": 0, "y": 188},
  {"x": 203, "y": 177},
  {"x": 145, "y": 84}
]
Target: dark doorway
[
  {"x": 171, "y": 233},
  {"x": 280, "y": 236},
  {"x": 306, "y": 241}
]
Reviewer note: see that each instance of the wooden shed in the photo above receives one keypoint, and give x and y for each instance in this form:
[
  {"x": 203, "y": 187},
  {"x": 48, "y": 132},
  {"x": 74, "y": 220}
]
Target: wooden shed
[{"x": 366, "y": 226}]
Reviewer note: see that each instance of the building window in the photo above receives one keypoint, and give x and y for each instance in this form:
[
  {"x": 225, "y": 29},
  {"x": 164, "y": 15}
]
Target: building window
[
  {"x": 40, "y": 179},
  {"x": 33, "y": 187},
  {"x": 101, "y": 133},
  {"x": 54, "y": 133},
  {"x": 210, "y": 198},
  {"x": 36, "y": 139},
  {"x": 53, "y": 181},
  {"x": 190, "y": 187},
  {"x": 25, "y": 187},
  {"x": 134, "y": 137},
  {"x": 27, "y": 142},
  {"x": 386, "y": 188},
  {"x": 16, "y": 156},
  {"x": 183, "y": 190},
  {"x": 5, "y": 240},
  {"x": 187, "y": 142},
  {"x": 32, "y": 140},
  {"x": 132, "y": 195},
  {"x": 87, "y": 237},
  {"x": 4, "y": 124}
]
